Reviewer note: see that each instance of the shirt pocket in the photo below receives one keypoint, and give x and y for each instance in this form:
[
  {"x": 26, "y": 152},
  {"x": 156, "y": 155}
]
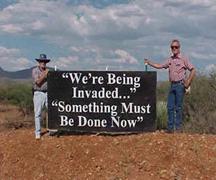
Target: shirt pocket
[{"x": 179, "y": 65}]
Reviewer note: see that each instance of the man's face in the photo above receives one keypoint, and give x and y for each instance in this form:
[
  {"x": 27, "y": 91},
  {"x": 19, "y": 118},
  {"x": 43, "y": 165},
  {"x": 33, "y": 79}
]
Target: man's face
[
  {"x": 42, "y": 65},
  {"x": 175, "y": 48}
]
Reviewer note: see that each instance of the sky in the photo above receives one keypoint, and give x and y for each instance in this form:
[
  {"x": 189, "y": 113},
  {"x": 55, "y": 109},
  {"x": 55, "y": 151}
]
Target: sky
[{"x": 106, "y": 34}]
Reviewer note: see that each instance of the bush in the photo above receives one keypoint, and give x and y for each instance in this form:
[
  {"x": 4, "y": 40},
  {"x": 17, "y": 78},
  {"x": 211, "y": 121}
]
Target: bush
[
  {"x": 19, "y": 95},
  {"x": 162, "y": 90},
  {"x": 161, "y": 115},
  {"x": 199, "y": 106}
]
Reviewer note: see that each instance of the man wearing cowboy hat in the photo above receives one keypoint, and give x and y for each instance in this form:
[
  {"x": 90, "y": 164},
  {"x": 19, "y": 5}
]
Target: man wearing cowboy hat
[{"x": 39, "y": 75}]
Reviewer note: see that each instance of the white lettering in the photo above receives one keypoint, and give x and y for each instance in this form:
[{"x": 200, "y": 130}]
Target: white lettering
[
  {"x": 123, "y": 123},
  {"x": 123, "y": 80},
  {"x": 131, "y": 108},
  {"x": 65, "y": 121},
  {"x": 83, "y": 121},
  {"x": 103, "y": 93}
]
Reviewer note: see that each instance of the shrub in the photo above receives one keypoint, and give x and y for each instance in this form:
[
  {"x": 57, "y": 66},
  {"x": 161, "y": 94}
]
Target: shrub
[
  {"x": 161, "y": 115},
  {"x": 199, "y": 106},
  {"x": 19, "y": 95}
]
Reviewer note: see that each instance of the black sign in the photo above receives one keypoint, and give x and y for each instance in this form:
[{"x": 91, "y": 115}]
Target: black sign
[{"x": 95, "y": 101}]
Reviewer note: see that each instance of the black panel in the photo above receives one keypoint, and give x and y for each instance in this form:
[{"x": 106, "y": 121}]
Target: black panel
[{"x": 131, "y": 107}]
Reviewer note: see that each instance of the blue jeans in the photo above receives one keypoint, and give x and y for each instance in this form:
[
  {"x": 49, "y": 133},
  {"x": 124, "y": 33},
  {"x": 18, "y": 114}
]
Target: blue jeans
[
  {"x": 175, "y": 106},
  {"x": 40, "y": 100}
]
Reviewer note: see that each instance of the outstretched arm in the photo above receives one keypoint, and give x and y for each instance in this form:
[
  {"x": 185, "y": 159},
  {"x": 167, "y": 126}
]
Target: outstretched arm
[{"x": 155, "y": 65}]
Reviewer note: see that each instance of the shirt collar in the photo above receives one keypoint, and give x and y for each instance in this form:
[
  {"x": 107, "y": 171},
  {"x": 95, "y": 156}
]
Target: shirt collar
[{"x": 178, "y": 56}]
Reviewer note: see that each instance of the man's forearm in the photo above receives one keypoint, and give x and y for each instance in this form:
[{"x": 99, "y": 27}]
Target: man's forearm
[
  {"x": 191, "y": 76},
  {"x": 155, "y": 65},
  {"x": 41, "y": 79}
]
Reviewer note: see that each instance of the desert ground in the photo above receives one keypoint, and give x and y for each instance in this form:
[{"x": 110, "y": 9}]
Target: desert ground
[{"x": 146, "y": 156}]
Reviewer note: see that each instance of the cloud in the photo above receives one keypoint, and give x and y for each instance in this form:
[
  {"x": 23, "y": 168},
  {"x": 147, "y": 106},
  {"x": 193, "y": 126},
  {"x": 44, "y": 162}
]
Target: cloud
[
  {"x": 125, "y": 57},
  {"x": 210, "y": 68},
  {"x": 54, "y": 17},
  {"x": 83, "y": 49},
  {"x": 96, "y": 3},
  {"x": 11, "y": 28},
  {"x": 116, "y": 32},
  {"x": 11, "y": 59},
  {"x": 64, "y": 63},
  {"x": 8, "y": 52}
]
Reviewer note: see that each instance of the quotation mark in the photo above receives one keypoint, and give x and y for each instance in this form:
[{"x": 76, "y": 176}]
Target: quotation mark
[
  {"x": 140, "y": 119},
  {"x": 55, "y": 103},
  {"x": 65, "y": 75},
  {"x": 133, "y": 90}
]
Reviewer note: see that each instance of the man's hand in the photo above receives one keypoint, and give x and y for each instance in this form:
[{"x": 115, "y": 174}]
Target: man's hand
[
  {"x": 152, "y": 64},
  {"x": 188, "y": 90},
  {"x": 186, "y": 83},
  {"x": 146, "y": 61},
  {"x": 46, "y": 71},
  {"x": 44, "y": 75}
]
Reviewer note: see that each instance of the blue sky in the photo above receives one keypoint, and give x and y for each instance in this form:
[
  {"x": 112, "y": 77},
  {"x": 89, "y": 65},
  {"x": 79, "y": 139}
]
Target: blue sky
[{"x": 95, "y": 34}]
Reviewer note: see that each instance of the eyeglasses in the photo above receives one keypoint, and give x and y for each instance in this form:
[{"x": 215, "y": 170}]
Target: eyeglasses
[{"x": 174, "y": 47}]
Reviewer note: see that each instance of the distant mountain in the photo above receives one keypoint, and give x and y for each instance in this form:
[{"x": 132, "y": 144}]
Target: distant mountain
[{"x": 22, "y": 74}]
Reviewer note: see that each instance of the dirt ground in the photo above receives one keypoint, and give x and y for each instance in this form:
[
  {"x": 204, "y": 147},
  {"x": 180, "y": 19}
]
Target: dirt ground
[
  {"x": 139, "y": 156},
  {"x": 11, "y": 117},
  {"x": 147, "y": 156}
]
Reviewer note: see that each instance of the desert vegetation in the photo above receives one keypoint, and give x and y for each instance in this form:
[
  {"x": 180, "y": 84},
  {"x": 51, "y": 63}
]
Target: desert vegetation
[
  {"x": 199, "y": 105},
  {"x": 16, "y": 106},
  {"x": 19, "y": 95}
]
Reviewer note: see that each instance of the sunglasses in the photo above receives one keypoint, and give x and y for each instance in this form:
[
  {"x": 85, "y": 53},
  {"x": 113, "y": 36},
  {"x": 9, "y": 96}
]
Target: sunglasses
[{"x": 174, "y": 47}]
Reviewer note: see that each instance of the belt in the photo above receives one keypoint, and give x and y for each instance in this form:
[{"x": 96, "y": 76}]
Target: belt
[
  {"x": 177, "y": 82},
  {"x": 44, "y": 91}
]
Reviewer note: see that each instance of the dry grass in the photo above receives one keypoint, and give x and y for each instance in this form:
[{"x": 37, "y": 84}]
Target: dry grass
[{"x": 12, "y": 117}]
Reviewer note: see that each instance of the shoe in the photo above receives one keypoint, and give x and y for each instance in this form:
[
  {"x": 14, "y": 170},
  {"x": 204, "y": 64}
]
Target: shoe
[
  {"x": 169, "y": 131},
  {"x": 53, "y": 132},
  {"x": 37, "y": 137},
  {"x": 178, "y": 131}
]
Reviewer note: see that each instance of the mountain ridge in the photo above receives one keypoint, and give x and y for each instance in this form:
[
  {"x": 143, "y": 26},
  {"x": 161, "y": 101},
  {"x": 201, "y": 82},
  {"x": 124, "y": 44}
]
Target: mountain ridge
[{"x": 21, "y": 74}]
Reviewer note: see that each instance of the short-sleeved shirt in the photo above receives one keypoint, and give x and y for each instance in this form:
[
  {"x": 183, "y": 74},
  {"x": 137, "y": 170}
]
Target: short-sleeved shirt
[
  {"x": 177, "y": 67},
  {"x": 36, "y": 73}
]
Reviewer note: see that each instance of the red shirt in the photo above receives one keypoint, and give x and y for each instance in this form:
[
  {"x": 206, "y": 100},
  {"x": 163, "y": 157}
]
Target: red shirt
[{"x": 177, "y": 67}]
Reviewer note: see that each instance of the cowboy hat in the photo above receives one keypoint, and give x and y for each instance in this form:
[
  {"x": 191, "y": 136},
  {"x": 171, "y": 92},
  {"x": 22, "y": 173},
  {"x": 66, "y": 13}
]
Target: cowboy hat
[{"x": 43, "y": 58}]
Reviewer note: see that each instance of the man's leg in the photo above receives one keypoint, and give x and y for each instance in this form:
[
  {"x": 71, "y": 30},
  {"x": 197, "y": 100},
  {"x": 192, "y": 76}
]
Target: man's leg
[
  {"x": 170, "y": 108},
  {"x": 46, "y": 105},
  {"x": 179, "y": 105},
  {"x": 51, "y": 131},
  {"x": 38, "y": 105}
]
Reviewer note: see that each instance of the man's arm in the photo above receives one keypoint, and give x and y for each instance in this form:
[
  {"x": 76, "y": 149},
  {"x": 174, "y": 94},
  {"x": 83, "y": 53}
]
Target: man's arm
[
  {"x": 41, "y": 78},
  {"x": 187, "y": 82},
  {"x": 155, "y": 65}
]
